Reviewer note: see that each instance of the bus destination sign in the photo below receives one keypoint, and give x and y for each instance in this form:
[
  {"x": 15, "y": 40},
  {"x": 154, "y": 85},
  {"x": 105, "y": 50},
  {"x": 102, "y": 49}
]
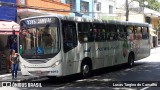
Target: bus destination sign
[{"x": 40, "y": 21}]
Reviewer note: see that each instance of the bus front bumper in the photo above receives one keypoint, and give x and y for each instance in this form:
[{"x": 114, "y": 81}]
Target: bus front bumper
[{"x": 42, "y": 71}]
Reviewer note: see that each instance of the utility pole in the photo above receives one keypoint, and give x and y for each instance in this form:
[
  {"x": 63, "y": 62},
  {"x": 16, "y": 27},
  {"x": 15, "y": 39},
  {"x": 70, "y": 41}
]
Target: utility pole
[
  {"x": 127, "y": 10},
  {"x": 92, "y": 9}
]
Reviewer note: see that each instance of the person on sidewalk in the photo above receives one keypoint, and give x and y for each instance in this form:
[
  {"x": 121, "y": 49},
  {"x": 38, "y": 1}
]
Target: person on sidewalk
[
  {"x": 7, "y": 54},
  {"x": 14, "y": 45},
  {"x": 14, "y": 59}
]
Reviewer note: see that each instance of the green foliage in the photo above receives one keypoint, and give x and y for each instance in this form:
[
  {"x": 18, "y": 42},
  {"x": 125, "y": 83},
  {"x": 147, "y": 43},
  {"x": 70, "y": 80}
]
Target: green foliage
[{"x": 152, "y": 4}]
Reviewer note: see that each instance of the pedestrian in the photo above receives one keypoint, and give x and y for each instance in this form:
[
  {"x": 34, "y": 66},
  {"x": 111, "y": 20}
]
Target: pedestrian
[
  {"x": 14, "y": 59},
  {"x": 7, "y": 54},
  {"x": 14, "y": 45}
]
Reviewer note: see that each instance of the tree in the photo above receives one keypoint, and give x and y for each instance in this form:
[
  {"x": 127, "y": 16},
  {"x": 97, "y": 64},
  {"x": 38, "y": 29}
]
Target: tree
[{"x": 152, "y": 4}]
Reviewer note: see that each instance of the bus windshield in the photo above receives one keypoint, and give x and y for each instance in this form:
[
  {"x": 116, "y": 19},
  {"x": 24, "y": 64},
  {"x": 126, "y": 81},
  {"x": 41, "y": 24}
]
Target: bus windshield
[{"x": 39, "y": 41}]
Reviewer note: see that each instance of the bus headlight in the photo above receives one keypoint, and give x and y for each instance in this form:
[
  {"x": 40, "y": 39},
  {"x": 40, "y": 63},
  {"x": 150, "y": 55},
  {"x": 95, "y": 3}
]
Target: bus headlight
[
  {"x": 22, "y": 65},
  {"x": 56, "y": 63}
]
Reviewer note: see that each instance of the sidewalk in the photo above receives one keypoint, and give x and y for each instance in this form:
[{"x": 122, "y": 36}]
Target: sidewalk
[{"x": 20, "y": 77}]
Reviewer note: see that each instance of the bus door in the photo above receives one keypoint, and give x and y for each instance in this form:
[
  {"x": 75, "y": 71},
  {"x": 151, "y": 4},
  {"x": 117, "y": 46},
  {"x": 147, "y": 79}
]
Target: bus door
[
  {"x": 138, "y": 41},
  {"x": 122, "y": 48},
  {"x": 100, "y": 44},
  {"x": 112, "y": 39},
  {"x": 69, "y": 46}
]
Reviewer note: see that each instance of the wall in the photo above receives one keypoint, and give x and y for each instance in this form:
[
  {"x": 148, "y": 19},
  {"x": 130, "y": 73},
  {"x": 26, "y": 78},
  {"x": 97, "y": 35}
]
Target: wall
[
  {"x": 49, "y": 4},
  {"x": 104, "y": 13},
  {"x": 3, "y": 41},
  {"x": 155, "y": 22},
  {"x": 6, "y": 12},
  {"x": 137, "y": 18}
]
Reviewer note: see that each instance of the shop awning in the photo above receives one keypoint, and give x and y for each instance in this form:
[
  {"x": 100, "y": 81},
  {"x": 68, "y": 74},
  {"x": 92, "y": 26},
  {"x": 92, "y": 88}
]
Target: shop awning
[
  {"x": 8, "y": 27},
  {"x": 152, "y": 32}
]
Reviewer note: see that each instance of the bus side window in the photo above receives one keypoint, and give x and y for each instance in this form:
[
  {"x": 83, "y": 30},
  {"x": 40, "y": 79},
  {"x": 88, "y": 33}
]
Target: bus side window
[
  {"x": 130, "y": 33},
  {"x": 100, "y": 31},
  {"x": 144, "y": 33},
  {"x": 85, "y": 32},
  {"x": 69, "y": 35},
  {"x": 138, "y": 34},
  {"x": 112, "y": 32},
  {"x": 121, "y": 32}
]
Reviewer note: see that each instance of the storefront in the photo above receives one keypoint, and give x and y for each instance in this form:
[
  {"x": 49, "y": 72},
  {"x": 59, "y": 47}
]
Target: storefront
[
  {"x": 153, "y": 38},
  {"x": 7, "y": 30}
]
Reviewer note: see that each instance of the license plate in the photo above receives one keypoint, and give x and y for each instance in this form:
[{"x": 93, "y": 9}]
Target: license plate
[{"x": 38, "y": 72}]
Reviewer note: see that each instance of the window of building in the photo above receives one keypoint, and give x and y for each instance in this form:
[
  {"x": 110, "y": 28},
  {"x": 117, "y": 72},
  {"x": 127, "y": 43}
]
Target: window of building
[
  {"x": 72, "y": 4},
  {"x": 21, "y": 2},
  {"x": 110, "y": 9},
  {"x": 84, "y": 7},
  {"x": 98, "y": 6}
]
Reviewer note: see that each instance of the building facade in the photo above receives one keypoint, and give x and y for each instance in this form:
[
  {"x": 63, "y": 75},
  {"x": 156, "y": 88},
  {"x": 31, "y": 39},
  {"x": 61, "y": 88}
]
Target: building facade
[
  {"x": 41, "y": 7},
  {"x": 105, "y": 9},
  {"x": 81, "y": 8}
]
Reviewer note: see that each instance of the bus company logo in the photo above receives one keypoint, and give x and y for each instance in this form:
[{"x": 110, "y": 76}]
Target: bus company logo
[
  {"x": 14, "y": 84},
  {"x": 6, "y": 84}
]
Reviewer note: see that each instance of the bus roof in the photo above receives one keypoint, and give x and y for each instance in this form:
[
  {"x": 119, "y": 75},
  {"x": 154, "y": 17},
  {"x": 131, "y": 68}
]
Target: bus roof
[{"x": 81, "y": 19}]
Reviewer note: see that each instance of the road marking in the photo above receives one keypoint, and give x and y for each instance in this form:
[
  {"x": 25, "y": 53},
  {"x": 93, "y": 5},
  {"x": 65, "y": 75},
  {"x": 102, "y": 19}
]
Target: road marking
[
  {"x": 2, "y": 76},
  {"x": 5, "y": 75},
  {"x": 144, "y": 88},
  {"x": 59, "y": 88}
]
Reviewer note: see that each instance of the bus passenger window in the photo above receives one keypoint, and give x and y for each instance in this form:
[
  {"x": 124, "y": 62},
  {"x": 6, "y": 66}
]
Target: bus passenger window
[
  {"x": 121, "y": 32},
  {"x": 69, "y": 35},
  {"x": 130, "y": 33},
  {"x": 138, "y": 34},
  {"x": 112, "y": 32},
  {"x": 145, "y": 33},
  {"x": 99, "y": 31},
  {"x": 85, "y": 32}
]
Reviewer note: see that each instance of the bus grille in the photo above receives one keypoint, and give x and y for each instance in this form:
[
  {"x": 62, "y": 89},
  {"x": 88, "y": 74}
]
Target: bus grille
[
  {"x": 37, "y": 73},
  {"x": 37, "y": 61}
]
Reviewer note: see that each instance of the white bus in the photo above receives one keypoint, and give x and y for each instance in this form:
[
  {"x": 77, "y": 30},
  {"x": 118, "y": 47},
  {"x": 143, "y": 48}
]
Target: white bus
[{"x": 61, "y": 45}]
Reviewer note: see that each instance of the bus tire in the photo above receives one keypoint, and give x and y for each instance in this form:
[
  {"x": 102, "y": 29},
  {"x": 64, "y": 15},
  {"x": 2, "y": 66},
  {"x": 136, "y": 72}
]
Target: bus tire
[
  {"x": 131, "y": 60},
  {"x": 85, "y": 70}
]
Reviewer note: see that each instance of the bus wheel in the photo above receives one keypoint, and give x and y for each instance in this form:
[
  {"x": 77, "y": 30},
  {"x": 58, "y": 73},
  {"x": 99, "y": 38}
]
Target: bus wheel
[
  {"x": 85, "y": 70},
  {"x": 131, "y": 60}
]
